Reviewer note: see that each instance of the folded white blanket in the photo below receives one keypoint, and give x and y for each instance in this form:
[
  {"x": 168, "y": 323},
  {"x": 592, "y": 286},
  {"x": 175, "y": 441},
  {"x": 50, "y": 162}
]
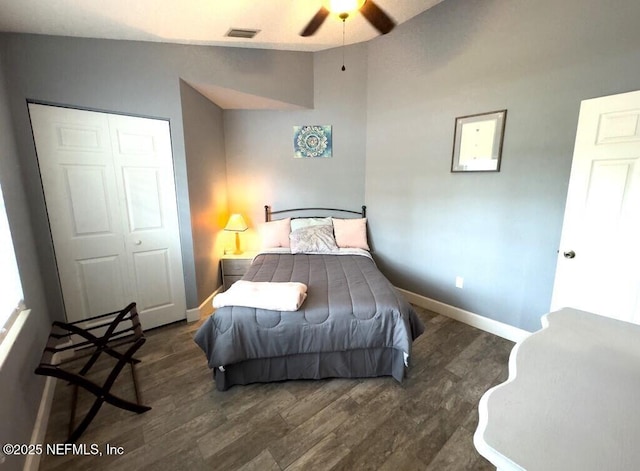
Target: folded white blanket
[{"x": 285, "y": 296}]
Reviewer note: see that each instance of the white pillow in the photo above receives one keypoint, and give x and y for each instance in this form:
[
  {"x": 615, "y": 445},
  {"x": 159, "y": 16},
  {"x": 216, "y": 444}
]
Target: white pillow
[
  {"x": 313, "y": 239},
  {"x": 351, "y": 233},
  {"x": 299, "y": 223},
  {"x": 275, "y": 233}
]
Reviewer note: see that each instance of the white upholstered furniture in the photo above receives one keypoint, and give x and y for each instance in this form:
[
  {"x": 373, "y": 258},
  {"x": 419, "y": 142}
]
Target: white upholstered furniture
[{"x": 572, "y": 400}]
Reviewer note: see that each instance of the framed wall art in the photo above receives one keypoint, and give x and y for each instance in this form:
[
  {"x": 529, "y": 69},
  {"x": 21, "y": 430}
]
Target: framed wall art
[
  {"x": 477, "y": 142},
  {"x": 312, "y": 141}
]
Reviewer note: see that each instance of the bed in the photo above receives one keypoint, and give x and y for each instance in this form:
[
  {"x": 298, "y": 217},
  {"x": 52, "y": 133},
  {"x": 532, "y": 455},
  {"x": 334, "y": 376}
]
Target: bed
[{"x": 351, "y": 323}]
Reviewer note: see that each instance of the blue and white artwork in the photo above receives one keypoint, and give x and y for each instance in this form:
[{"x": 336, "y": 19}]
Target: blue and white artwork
[{"x": 312, "y": 141}]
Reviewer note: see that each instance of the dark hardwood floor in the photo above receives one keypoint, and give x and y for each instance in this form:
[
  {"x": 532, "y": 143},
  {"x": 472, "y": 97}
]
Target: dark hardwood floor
[{"x": 425, "y": 423}]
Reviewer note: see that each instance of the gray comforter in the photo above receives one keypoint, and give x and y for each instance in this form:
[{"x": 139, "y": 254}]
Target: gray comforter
[{"x": 350, "y": 305}]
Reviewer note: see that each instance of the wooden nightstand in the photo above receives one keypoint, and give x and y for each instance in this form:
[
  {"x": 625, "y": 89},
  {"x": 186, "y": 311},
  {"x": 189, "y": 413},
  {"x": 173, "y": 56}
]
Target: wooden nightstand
[{"x": 234, "y": 267}]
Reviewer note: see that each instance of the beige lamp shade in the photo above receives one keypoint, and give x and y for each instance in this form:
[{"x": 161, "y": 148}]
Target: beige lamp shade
[{"x": 236, "y": 224}]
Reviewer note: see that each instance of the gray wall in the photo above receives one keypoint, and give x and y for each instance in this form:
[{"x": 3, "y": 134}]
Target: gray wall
[
  {"x": 500, "y": 231},
  {"x": 20, "y": 389},
  {"x": 259, "y": 145},
  {"x": 207, "y": 173},
  {"x": 139, "y": 79}
]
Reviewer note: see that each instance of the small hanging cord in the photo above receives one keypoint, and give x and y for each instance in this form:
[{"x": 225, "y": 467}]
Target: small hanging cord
[{"x": 343, "y": 23}]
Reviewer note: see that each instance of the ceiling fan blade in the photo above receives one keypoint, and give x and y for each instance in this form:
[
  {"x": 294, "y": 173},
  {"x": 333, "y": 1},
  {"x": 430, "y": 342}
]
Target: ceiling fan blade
[
  {"x": 315, "y": 22},
  {"x": 377, "y": 17}
]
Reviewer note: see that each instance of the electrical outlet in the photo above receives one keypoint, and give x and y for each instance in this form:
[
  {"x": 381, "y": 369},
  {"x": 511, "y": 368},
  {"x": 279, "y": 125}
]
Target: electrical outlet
[{"x": 459, "y": 282}]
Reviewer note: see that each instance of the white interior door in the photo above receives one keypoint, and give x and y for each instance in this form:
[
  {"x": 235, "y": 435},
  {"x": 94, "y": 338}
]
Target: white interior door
[
  {"x": 110, "y": 194},
  {"x": 598, "y": 268}
]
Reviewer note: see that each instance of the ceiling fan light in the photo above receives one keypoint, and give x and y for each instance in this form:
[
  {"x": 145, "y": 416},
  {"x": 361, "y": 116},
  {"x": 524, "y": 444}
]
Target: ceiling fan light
[{"x": 344, "y": 6}]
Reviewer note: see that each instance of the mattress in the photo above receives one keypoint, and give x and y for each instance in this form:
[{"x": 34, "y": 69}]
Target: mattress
[{"x": 352, "y": 316}]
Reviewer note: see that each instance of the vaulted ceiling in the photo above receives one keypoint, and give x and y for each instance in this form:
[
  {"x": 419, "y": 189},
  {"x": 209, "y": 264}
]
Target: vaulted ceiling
[{"x": 204, "y": 22}]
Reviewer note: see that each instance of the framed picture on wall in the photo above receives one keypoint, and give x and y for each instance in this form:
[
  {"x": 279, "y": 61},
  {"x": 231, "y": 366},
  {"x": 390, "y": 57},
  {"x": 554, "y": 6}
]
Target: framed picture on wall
[
  {"x": 477, "y": 142},
  {"x": 312, "y": 141}
]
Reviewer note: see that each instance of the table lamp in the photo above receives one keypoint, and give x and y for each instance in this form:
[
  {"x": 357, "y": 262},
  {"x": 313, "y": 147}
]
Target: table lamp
[{"x": 236, "y": 224}]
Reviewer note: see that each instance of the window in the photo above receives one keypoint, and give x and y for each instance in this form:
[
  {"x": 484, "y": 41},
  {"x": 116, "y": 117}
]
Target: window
[{"x": 11, "y": 298}]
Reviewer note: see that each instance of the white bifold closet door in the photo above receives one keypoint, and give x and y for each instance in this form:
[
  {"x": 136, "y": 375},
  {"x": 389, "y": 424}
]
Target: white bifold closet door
[{"x": 110, "y": 195}]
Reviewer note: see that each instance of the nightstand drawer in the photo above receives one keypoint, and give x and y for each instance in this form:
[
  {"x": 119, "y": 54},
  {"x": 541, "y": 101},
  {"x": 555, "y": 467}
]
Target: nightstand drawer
[{"x": 235, "y": 266}]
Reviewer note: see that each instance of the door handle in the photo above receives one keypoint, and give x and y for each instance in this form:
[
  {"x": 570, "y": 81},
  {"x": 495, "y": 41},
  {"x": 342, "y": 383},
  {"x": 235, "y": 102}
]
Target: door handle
[
  {"x": 138, "y": 242},
  {"x": 569, "y": 254}
]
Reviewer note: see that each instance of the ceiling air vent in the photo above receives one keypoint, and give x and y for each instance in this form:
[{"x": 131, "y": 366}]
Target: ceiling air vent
[{"x": 242, "y": 33}]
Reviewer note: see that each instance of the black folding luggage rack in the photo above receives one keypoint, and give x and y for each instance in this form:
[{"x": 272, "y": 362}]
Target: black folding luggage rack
[{"x": 117, "y": 334}]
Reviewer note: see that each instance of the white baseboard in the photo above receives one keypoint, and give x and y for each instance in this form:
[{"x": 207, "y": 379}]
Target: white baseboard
[
  {"x": 205, "y": 309},
  {"x": 500, "y": 329},
  {"x": 193, "y": 315},
  {"x": 32, "y": 463}
]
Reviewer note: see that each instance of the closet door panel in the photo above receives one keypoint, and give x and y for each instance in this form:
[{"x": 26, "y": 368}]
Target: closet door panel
[{"x": 110, "y": 197}]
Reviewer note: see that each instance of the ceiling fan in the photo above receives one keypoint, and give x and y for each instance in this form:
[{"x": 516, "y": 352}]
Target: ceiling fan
[{"x": 343, "y": 8}]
